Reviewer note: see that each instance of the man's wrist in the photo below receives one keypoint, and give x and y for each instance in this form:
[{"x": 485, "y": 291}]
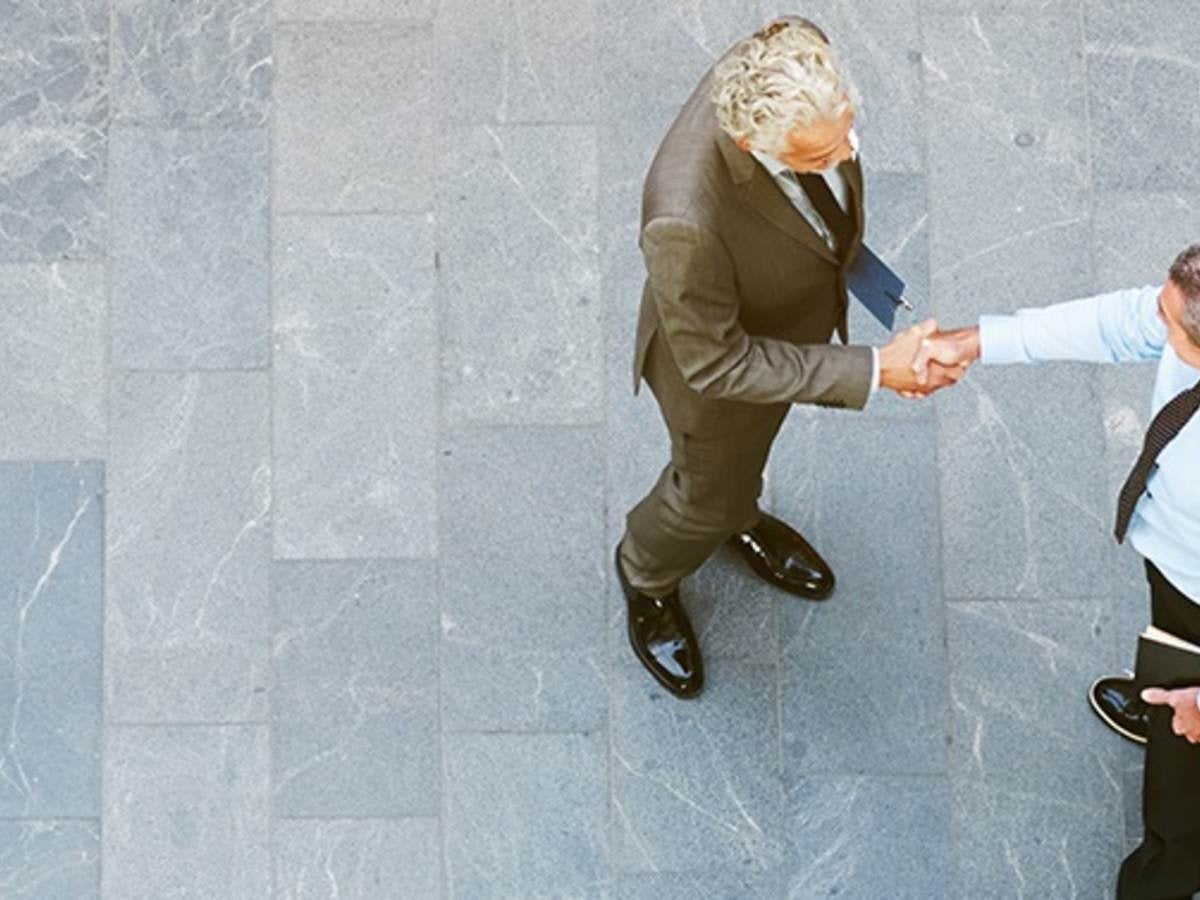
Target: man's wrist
[
  {"x": 1000, "y": 340},
  {"x": 974, "y": 338},
  {"x": 874, "y": 371}
]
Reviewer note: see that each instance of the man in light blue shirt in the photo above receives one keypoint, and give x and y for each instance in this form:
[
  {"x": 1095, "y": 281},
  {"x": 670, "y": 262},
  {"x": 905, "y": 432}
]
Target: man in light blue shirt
[{"x": 1159, "y": 511}]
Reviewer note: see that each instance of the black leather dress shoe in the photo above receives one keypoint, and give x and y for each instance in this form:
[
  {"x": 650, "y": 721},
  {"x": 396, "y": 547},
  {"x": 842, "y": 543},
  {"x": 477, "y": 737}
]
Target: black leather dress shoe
[
  {"x": 662, "y": 638},
  {"x": 778, "y": 554},
  {"x": 1116, "y": 702}
]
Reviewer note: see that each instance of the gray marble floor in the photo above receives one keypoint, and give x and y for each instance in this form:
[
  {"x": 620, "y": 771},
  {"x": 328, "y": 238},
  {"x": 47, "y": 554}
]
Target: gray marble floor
[{"x": 316, "y": 434}]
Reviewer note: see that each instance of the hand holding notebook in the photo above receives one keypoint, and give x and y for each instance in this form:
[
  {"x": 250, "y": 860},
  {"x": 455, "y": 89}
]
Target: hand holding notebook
[{"x": 1168, "y": 674}]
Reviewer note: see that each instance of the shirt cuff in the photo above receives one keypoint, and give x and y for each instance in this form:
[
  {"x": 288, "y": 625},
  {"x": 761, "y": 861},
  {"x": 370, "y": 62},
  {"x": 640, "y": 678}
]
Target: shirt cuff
[
  {"x": 1000, "y": 340},
  {"x": 874, "y": 371}
]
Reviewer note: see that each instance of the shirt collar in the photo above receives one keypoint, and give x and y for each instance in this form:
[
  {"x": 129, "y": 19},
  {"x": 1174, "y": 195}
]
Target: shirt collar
[{"x": 776, "y": 168}]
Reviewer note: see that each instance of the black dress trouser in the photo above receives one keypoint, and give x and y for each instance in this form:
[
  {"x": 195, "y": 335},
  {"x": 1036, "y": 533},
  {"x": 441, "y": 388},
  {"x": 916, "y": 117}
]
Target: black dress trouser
[{"x": 1166, "y": 865}]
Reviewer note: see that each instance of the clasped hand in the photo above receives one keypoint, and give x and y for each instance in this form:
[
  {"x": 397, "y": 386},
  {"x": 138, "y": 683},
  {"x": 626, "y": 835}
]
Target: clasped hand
[{"x": 922, "y": 359}]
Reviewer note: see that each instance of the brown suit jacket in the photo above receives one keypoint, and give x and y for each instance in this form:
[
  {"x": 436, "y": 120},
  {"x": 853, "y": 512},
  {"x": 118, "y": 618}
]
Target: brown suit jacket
[{"x": 741, "y": 290}]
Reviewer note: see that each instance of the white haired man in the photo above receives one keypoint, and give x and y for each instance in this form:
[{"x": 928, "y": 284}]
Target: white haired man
[
  {"x": 752, "y": 212},
  {"x": 1159, "y": 510}
]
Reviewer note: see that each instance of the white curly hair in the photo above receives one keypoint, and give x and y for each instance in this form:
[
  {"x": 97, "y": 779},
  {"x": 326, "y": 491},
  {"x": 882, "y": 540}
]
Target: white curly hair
[{"x": 783, "y": 76}]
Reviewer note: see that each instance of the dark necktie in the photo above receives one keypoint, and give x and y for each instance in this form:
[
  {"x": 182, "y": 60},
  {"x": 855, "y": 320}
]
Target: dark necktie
[
  {"x": 826, "y": 205},
  {"x": 1163, "y": 429}
]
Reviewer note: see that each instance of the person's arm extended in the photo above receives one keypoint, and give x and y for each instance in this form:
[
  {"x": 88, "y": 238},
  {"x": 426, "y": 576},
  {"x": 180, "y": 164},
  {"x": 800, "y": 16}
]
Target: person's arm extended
[
  {"x": 691, "y": 276},
  {"x": 1120, "y": 326}
]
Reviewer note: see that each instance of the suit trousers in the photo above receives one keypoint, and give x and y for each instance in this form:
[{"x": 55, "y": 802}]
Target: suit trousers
[
  {"x": 710, "y": 488},
  {"x": 1166, "y": 865}
]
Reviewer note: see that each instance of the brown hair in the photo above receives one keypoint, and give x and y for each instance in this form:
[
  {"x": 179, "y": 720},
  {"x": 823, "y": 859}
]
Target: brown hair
[{"x": 1185, "y": 272}]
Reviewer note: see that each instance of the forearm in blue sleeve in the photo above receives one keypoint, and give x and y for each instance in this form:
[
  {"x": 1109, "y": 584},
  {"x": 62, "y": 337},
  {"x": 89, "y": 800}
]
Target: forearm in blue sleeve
[{"x": 1114, "y": 327}]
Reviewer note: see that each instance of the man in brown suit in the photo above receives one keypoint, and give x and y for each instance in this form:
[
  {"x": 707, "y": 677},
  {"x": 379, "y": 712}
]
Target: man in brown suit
[{"x": 752, "y": 212}]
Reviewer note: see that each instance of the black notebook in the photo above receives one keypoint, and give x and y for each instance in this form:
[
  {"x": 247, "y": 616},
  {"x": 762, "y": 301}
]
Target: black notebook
[{"x": 1166, "y": 661}]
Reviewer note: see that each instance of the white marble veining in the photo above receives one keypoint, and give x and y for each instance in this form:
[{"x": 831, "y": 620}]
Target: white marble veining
[{"x": 316, "y": 438}]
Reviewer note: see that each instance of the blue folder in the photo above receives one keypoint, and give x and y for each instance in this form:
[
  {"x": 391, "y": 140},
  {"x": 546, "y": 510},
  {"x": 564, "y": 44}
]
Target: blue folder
[{"x": 876, "y": 286}]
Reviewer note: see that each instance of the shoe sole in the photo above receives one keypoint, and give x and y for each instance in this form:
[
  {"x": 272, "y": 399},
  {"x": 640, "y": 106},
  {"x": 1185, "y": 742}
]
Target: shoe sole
[{"x": 1103, "y": 717}]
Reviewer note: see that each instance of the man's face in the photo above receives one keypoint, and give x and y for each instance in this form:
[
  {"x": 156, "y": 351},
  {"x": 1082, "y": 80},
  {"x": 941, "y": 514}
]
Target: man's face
[
  {"x": 1170, "y": 309},
  {"x": 821, "y": 145}
]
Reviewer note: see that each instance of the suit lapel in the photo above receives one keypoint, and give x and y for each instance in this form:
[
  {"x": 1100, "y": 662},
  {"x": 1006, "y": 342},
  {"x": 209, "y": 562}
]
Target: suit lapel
[
  {"x": 766, "y": 198},
  {"x": 763, "y": 195}
]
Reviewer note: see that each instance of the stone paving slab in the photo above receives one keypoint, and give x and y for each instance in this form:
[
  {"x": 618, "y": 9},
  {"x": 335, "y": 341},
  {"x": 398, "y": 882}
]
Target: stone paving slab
[
  {"x": 355, "y": 859},
  {"x": 523, "y": 517},
  {"x": 354, "y": 125},
  {"x": 190, "y": 248},
  {"x": 354, "y": 710},
  {"x": 893, "y": 838},
  {"x": 186, "y": 812},
  {"x": 525, "y": 815},
  {"x": 317, "y": 435},
  {"x": 187, "y": 548},
  {"x": 50, "y": 860},
  {"x": 176, "y": 64},
  {"x": 51, "y": 627},
  {"x": 54, "y": 339},
  {"x": 354, "y": 358}
]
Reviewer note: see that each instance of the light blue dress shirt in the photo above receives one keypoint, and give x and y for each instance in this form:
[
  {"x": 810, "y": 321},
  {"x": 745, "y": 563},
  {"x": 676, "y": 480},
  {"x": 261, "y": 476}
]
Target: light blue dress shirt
[{"x": 1118, "y": 327}]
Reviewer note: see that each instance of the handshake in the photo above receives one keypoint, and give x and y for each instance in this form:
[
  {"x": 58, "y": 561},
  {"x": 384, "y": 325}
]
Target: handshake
[{"x": 922, "y": 359}]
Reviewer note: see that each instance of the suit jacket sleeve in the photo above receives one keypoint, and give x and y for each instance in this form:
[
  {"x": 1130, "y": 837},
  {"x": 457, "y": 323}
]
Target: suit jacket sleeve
[{"x": 691, "y": 277}]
